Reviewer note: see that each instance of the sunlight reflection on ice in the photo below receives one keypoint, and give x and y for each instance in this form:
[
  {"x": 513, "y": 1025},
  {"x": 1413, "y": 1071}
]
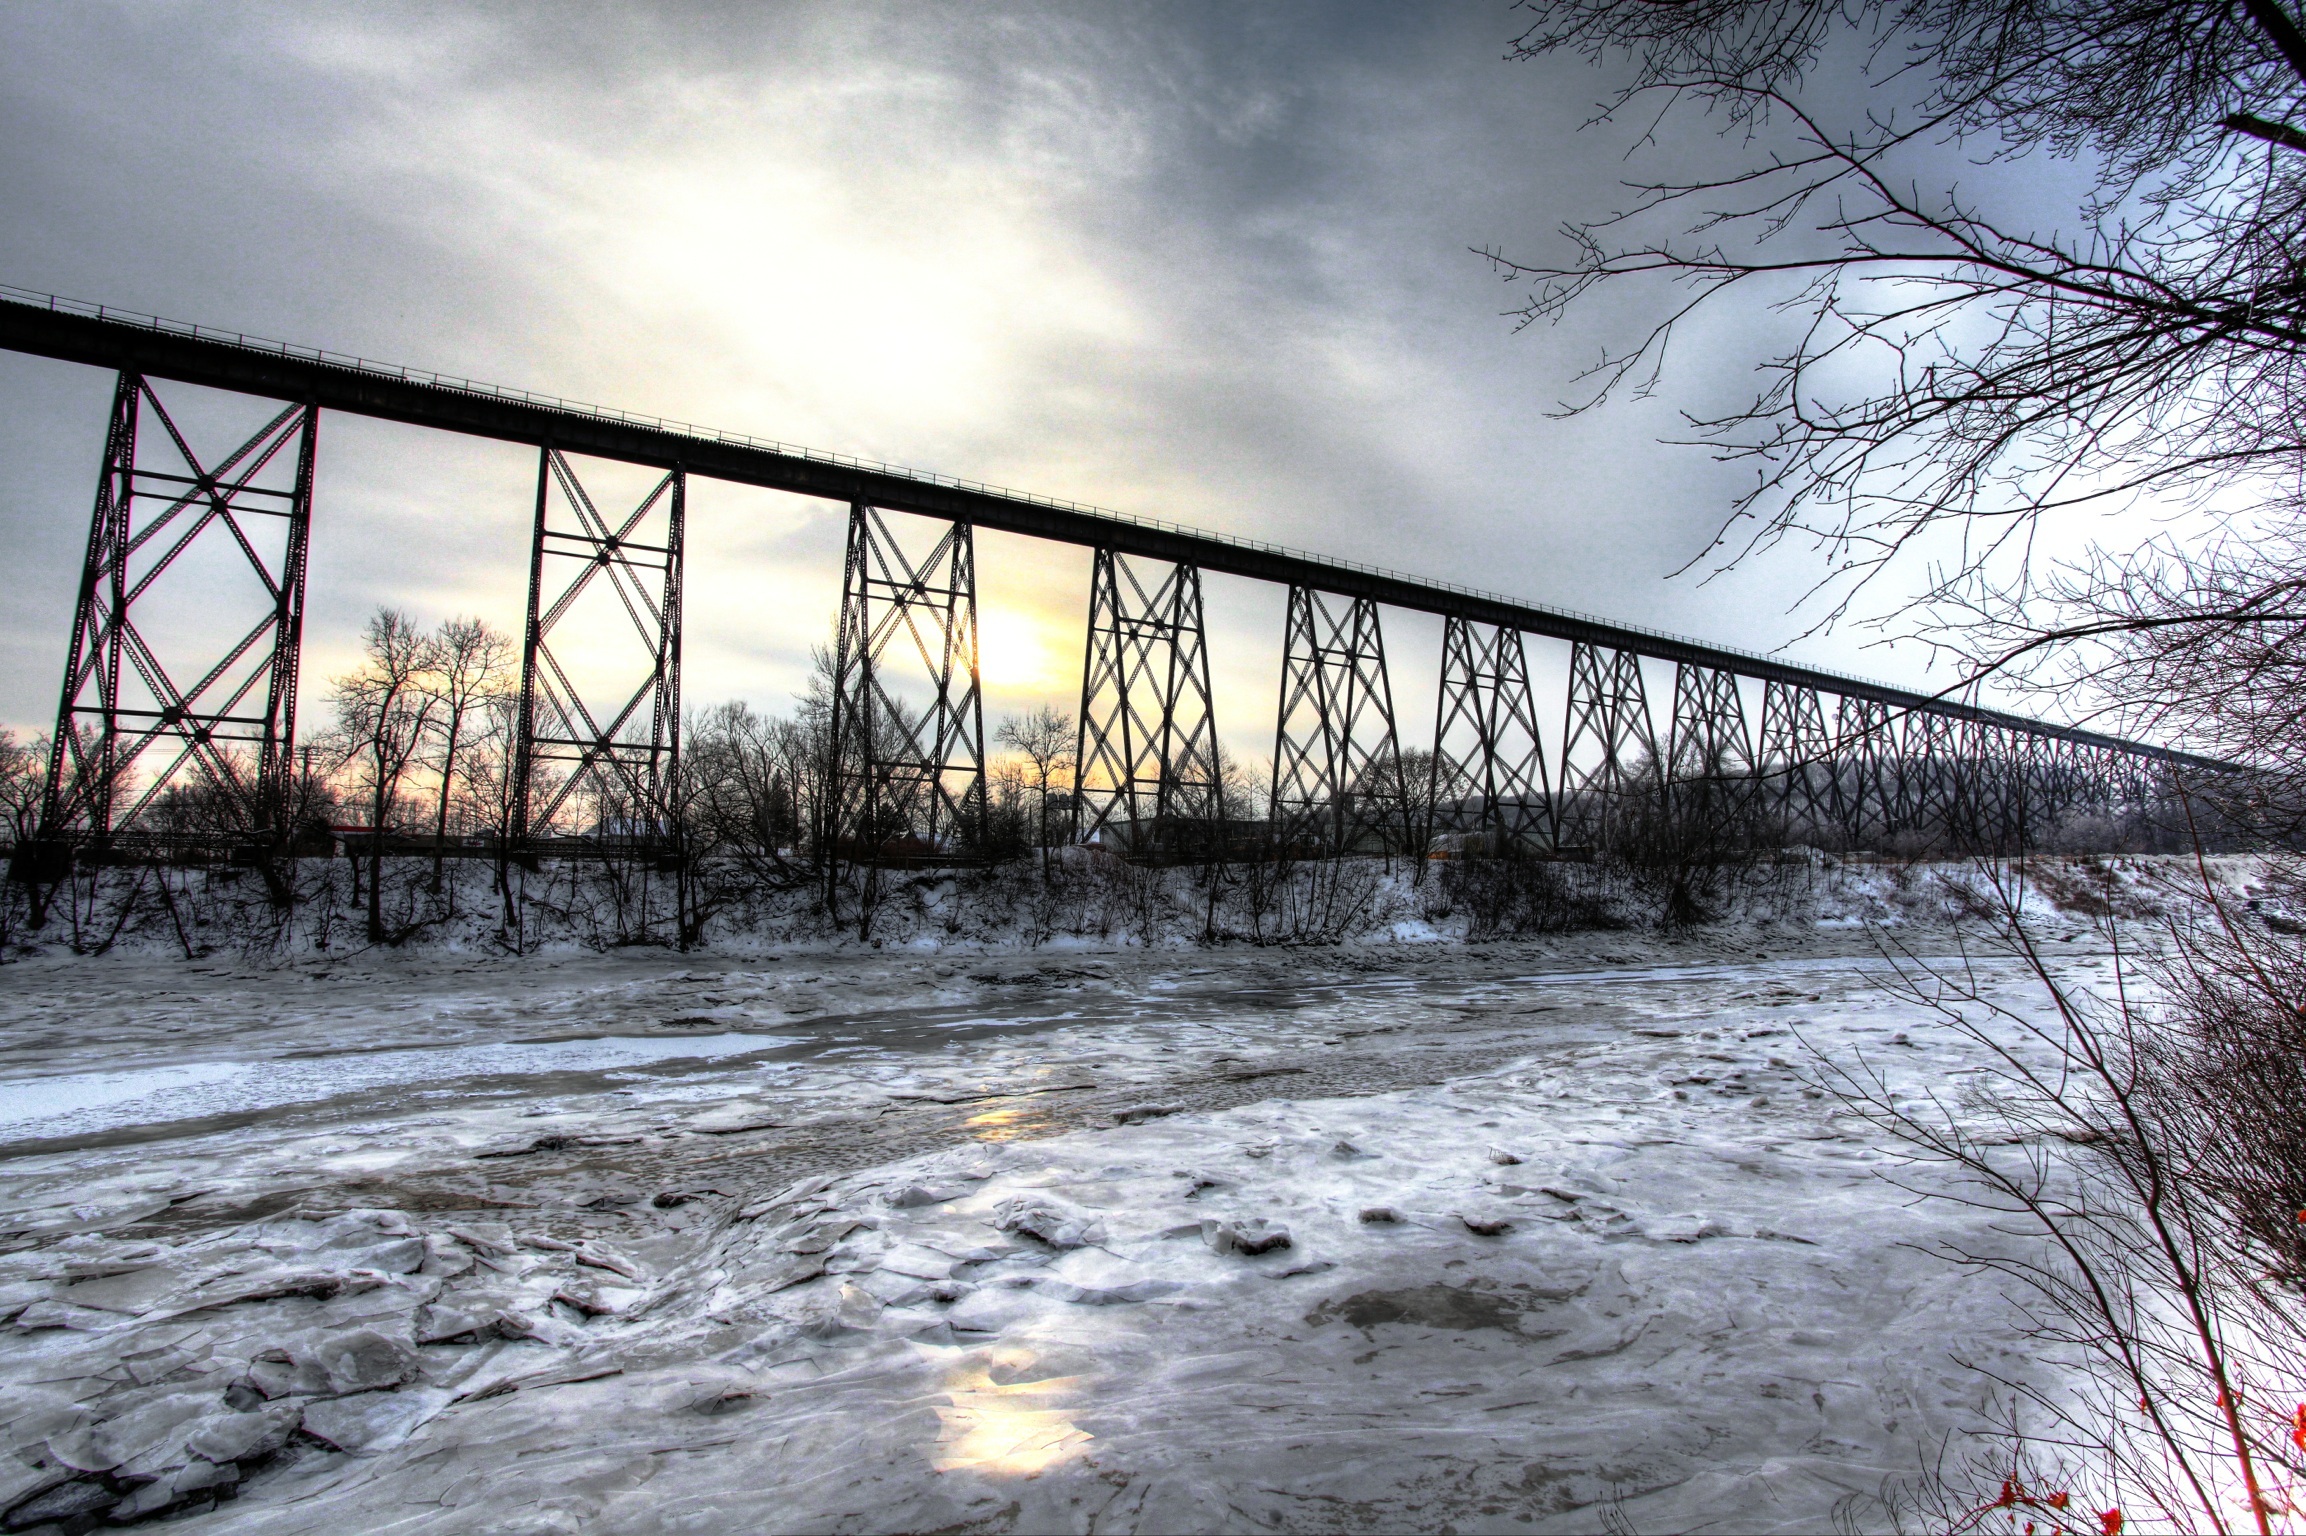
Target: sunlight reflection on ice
[
  {"x": 1009, "y": 1124},
  {"x": 1004, "y": 1429}
]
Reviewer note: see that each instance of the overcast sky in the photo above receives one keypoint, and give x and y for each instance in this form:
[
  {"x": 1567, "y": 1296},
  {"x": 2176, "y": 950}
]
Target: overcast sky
[{"x": 1211, "y": 263}]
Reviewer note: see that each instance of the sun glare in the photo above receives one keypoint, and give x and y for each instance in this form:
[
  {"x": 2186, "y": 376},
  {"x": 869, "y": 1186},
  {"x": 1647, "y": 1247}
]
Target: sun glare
[{"x": 1021, "y": 651}]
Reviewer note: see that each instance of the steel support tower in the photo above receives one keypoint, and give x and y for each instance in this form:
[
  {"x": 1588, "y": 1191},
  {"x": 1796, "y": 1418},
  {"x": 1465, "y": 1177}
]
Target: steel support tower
[
  {"x": 616, "y": 756},
  {"x": 1146, "y": 743},
  {"x": 153, "y": 733},
  {"x": 1609, "y": 753},
  {"x": 1709, "y": 756},
  {"x": 910, "y": 771},
  {"x": 1337, "y": 781},
  {"x": 1799, "y": 787},
  {"x": 1489, "y": 772}
]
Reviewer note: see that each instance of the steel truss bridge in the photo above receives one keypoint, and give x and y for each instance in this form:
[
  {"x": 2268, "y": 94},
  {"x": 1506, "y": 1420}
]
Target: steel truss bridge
[{"x": 1823, "y": 757}]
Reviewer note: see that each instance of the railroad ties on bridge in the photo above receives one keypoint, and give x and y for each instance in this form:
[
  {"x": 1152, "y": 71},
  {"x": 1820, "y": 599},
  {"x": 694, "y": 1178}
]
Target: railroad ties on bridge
[{"x": 147, "y": 709}]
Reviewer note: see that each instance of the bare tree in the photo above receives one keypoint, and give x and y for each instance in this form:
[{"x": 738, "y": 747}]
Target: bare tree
[
  {"x": 2150, "y": 1139},
  {"x": 464, "y": 664},
  {"x": 1045, "y": 740},
  {"x": 21, "y": 782},
  {"x": 383, "y": 713},
  {"x": 1955, "y": 357},
  {"x": 744, "y": 771}
]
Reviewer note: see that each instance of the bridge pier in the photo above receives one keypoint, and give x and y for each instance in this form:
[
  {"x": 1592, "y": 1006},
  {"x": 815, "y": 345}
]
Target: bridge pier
[
  {"x": 1608, "y": 744},
  {"x": 1488, "y": 761},
  {"x": 1337, "y": 782},
  {"x": 230, "y": 729},
  {"x": 1865, "y": 747},
  {"x": 596, "y": 749},
  {"x": 1147, "y": 737},
  {"x": 1796, "y": 768},
  {"x": 1927, "y": 779},
  {"x": 909, "y": 778},
  {"x": 1710, "y": 759}
]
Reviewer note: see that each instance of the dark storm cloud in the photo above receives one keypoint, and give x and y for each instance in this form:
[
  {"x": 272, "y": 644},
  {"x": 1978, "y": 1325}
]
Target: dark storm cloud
[{"x": 1208, "y": 263}]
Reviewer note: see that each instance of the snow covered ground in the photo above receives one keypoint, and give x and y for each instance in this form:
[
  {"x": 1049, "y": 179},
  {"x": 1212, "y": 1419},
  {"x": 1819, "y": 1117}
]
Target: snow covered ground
[{"x": 1364, "y": 1238}]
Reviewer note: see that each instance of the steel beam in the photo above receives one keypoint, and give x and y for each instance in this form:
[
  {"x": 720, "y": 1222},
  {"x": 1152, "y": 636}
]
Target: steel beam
[
  {"x": 143, "y": 720},
  {"x": 616, "y": 754},
  {"x": 1147, "y": 738}
]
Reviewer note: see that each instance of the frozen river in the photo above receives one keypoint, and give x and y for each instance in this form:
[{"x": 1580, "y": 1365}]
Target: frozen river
[{"x": 1360, "y": 1239}]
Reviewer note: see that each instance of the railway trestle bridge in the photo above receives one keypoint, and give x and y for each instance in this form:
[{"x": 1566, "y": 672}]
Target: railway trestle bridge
[{"x": 1819, "y": 755}]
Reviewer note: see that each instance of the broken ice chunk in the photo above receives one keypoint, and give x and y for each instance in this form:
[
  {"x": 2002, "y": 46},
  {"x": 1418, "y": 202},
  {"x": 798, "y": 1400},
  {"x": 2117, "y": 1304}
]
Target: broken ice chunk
[
  {"x": 1036, "y": 1217},
  {"x": 851, "y": 1308},
  {"x": 149, "y": 1431},
  {"x": 601, "y": 1256},
  {"x": 1093, "y": 1277},
  {"x": 1248, "y": 1235},
  {"x": 139, "y": 1290},
  {"x": 63, "y": 1502},
  {"x": 486, "y": 1237},
  {"x": 919, "y": 1262},
  {"x": 1503, "y": 1158},
  {"x": 597, "y": 1299},
  {"x": 363, "y": 1361},
  {"x": 991, "y": 1309},
  {"x": 245, "y": 1436},
  {"x": 373, "y": 1421}
]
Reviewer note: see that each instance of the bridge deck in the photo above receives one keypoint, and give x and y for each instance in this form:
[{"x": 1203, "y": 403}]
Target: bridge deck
[{"x": 47, "y": 326}]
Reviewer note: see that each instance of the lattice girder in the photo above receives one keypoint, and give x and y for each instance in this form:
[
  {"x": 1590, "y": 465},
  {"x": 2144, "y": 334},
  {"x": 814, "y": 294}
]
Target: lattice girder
[
  {"x": 1337, "y": 781},
  {"x": 1147, "y": 736},
  {"x": 617, "y": 742},
  {"x": 912, "y": 777},
  {"x": 141, "y": 713},
  {"x": 1608, "y": 745},
  {"x": 1489, "y": 772},
  {"x": 1796, "y": 769},
  {"x": 1709, "y": 754}
]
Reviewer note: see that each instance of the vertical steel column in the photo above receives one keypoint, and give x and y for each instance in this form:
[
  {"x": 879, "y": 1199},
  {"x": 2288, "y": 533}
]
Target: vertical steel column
[
  {"x": 276, "y": 776},
  {"x": 121, "y": 697},
  {"x": 1147, "y": 738},
  {"x": 1336, "y": 758},
  {"x": 601, "y": 754},
  {"x": 911, "y": 779},
  {"x": 524, "y": 721},
  {"x": 1608, "y": 745},
  {"x": 1488, "y": 761},
  {"x": 1796, "y": 767}
]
